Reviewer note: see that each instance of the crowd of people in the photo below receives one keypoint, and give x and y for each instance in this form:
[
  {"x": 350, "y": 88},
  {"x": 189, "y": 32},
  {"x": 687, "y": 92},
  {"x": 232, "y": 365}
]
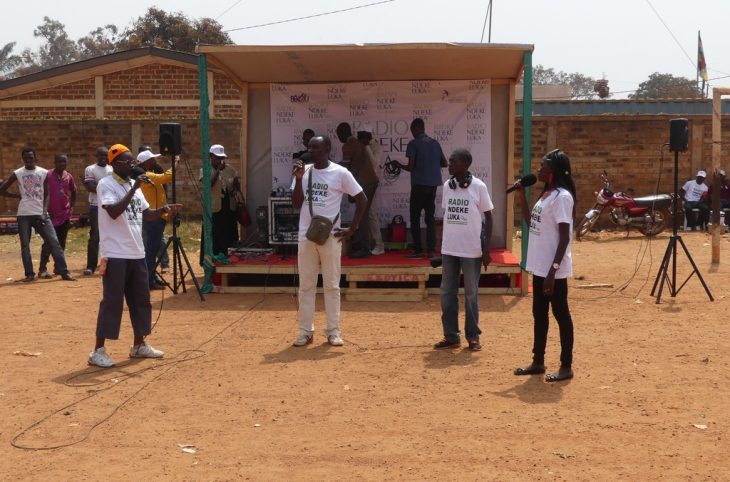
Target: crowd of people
[{"x": 320, "y": 184}]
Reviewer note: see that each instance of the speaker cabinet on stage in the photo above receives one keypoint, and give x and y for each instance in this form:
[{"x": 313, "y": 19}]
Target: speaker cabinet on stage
[
  {"x": 678, "y": 135},
  {"x": 170, "y": 138}
]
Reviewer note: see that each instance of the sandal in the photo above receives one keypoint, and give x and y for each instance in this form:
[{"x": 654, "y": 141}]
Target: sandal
[
  {"x": 533, "y": 369},
  {"x": 562, "y": 374}
]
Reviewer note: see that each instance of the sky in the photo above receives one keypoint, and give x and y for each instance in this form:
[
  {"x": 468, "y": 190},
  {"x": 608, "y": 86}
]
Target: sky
[{"x": 622, "y": 40}]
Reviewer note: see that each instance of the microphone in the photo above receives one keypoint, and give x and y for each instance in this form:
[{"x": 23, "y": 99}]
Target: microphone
[
  {"x": 138, "y": 171},
  {"x": 525, "y": 181}
]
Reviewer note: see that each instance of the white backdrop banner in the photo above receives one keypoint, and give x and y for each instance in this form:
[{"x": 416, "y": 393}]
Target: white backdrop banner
[{"x": 456, "y": 113}]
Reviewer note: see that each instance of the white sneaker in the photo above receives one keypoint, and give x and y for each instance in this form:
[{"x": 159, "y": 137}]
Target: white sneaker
[
  {"x": 99, "y": 358},
  {"x": 144, "y": 351},
  {"x": 335, "y": 340},
  {"x": 377, "y": 250},
  {"x": 45, "y": 275},
  {"x": 303, "y": 339}
]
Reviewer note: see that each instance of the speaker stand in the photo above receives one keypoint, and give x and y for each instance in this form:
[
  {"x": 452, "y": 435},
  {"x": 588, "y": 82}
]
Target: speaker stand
[
  {"x": 663, "y": 275},
  {"x": 179, "y": 272}
]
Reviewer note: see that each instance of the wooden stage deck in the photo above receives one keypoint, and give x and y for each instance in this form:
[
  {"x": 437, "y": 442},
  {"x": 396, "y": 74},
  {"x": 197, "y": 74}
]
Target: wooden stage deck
[{"x": 389, "y": 277}]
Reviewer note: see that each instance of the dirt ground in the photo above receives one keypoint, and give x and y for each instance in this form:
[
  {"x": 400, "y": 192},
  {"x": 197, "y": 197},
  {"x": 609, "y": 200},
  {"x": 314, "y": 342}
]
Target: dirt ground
[{"x": 649, "y": 400}]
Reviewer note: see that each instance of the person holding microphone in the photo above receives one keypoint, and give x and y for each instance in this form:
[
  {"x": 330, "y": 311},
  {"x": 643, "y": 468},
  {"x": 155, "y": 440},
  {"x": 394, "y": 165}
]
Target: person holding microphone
[{"x": 550, "y": 260}]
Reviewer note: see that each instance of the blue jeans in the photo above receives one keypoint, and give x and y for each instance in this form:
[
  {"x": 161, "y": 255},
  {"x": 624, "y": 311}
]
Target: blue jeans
[
  {"x": 44, "y": 227},
  {"x": 152, "y": 235},
  {"x": 451, "y": 268}
]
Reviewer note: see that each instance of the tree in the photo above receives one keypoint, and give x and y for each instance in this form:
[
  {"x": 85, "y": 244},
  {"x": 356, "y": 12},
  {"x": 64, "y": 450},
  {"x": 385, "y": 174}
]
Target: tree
[
  {"x": 581, "y": 86},
  {"x": 667, "y": 86},
  {"x": 102, "y": 41},
  {"x": 8, "y": 61},
  {"x": 175, "y": 31}
]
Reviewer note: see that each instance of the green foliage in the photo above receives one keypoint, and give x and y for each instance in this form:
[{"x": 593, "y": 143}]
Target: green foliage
[
  {"x": 581, "y": 85},
  {"x": 156, "y": 28},
  {"x": 667, "y": 86}
]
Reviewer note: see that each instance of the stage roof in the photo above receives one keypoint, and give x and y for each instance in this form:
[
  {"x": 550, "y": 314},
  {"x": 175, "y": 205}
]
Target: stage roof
[{"x": 368, "y": 62}]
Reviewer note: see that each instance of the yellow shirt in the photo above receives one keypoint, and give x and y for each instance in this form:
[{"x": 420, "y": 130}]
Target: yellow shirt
[{"x": 155, "y": 194}]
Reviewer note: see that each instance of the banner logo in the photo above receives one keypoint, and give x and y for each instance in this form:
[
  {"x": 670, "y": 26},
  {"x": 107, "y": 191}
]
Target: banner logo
[{"x": 299, "y": 99}]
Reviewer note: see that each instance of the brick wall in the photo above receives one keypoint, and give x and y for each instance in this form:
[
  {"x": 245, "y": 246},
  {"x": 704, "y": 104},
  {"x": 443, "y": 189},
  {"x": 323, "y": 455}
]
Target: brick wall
[
  {"x": 82, "y": 89},
  {"x": 79, "y": 140},
  {"x": 628, "y": 148}
]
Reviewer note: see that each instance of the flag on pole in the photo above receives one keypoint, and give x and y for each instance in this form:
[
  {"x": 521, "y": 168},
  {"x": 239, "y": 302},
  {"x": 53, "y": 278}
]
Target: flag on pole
[{"x": 701, "y": 65}]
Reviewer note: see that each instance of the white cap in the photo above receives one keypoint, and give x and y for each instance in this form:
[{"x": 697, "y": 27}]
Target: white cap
[
  {"x": 217, "y": 150},
  {"x": 721, "y": 172},
  {"x": 701, "y": 174},
  {"x": 366, "y": 127},
  {"x": 145, "y": 156}
]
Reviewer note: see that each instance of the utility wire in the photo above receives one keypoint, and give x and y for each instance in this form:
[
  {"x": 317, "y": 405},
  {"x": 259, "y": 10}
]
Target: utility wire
[
  {"x": 228, "y": 9},
  {"x": 692, "y": 62},
  {"x": 309, "y": 16}
]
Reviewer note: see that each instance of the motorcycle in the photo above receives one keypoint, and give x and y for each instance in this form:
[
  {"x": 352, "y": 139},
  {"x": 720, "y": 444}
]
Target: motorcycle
[{"x": 649, "y": 214}]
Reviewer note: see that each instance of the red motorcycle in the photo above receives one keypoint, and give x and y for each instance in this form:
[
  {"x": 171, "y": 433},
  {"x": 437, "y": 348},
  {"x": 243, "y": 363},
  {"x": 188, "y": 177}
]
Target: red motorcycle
[{"x": 649, "y": 214}]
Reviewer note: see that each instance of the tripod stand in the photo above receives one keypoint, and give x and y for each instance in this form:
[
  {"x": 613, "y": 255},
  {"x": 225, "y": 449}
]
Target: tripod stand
[
  {"x": 178, "y": 251},
  {"x": 663, "y": 276}
]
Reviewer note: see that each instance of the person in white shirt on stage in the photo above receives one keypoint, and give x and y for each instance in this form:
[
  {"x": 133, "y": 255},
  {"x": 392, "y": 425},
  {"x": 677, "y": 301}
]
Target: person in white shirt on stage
[
  {"x": 464, "y": 249},
  {"x": 550, "y": 260},
  {"x": 329, "y": 182}
]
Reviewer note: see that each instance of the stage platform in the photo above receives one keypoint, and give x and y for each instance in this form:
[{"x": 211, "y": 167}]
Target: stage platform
[{"x": 388, "y": 277}]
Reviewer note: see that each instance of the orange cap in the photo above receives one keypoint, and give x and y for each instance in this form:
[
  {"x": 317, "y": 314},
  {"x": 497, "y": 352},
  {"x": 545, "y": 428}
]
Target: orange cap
[{"x": 115, "y": 151}]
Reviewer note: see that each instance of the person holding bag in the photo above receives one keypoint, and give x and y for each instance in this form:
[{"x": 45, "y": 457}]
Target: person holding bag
[{"x": 320, "y": 235}]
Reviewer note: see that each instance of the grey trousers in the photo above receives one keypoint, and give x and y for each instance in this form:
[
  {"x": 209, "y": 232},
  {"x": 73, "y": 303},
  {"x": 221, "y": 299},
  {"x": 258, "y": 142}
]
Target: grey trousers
[{"x": 124, "y": 279}]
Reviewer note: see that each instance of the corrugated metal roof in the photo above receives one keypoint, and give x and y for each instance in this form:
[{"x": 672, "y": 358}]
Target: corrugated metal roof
[{"x": 623, "y": 107}]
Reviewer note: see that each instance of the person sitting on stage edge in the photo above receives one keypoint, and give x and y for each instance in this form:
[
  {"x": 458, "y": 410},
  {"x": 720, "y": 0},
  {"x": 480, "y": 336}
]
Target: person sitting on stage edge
[
  {"x": 356, "y": 159},
  {"x": 123, "y": 207},
  {"x": 33, "y": 187},
  {"x": 329, "y": 181},
  {"x": 550, "y": 260},
  {"x": 464, "y": 248},
  {"x": 92, "y": 175},
  {"x": 61, "y": 200},
  {"x": 225, "y": 196},
  {"x": 152, "y": 231},
  {"x": 425, "y": 160},
  {"x": 694, "y": 193}
]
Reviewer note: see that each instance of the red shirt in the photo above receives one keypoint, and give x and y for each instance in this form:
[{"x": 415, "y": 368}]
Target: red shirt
[{"x": 59, "y": 196}]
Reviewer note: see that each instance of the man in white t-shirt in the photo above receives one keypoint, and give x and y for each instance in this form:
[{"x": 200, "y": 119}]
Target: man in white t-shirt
[
  {"x": 329, "y": 182},
  {"x": 92, "y": 175},
  {"x": 33, "y": 213},
  {"x": 123, "y": 207},
  {"x": 694, "y": 193},
  {"x": 464, "y": 249}
]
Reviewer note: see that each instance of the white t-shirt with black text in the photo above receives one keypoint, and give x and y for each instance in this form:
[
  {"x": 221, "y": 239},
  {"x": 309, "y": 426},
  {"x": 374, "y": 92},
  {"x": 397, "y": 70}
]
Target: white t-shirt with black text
[
  {"x": 693, "y": 191},
  {"x": 328, "y": 186},
  {"x": 121, "y": 237},
  {"x": 463, "y": 210},
  {"x": 96, "y": 173},
  {"x": 548, "y": 212}
]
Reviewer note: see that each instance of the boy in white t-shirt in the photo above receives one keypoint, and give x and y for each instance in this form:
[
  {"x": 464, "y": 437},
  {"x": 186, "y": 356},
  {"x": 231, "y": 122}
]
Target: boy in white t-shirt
[
  {"x": 329, "y": 182},
  {"x": 122, "y": 207},
  {"x": 464, "y": 249},
  {"x": 92, "y": 175}
]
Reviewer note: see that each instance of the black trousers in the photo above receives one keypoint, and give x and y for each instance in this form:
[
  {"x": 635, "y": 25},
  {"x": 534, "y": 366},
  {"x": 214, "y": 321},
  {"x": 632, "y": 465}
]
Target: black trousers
[
  {"x": 92, "y": 247},
  {"x": 124, "y": 279},
  {"x": 423, "y": 198},
  {"x": 559, "y": 303}
]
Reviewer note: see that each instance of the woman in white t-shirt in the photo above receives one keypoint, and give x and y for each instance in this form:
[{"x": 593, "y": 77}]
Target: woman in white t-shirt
[{"x": 550, "y": 260}]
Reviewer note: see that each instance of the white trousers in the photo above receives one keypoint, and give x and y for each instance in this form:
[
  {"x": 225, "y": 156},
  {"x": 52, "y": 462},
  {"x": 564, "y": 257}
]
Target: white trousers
[{"x": 310, "y": 257}]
